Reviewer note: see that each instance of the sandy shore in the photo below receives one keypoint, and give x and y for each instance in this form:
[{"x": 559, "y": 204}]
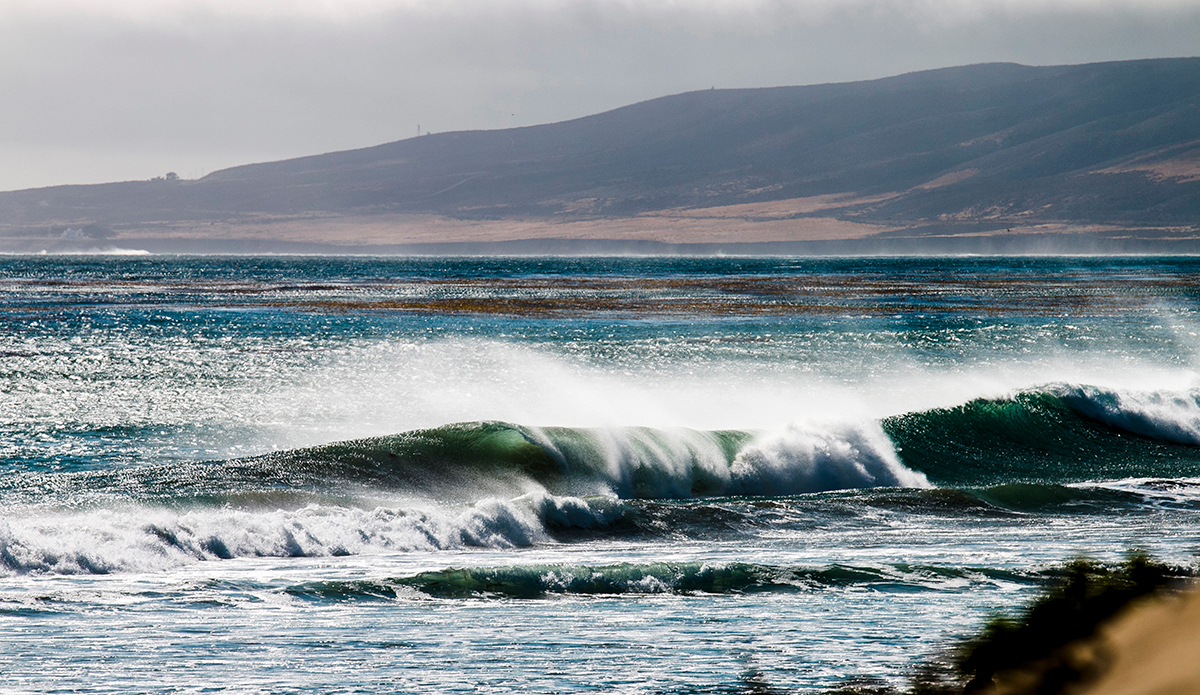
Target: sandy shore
[
  {"x": 759, "y": 222},
  {"x": 1153, "y": 648},
  {"x": 811, "y": 220}
]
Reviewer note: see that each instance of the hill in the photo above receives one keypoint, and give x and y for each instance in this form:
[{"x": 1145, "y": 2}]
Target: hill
[{"x": 985, "y": 157}]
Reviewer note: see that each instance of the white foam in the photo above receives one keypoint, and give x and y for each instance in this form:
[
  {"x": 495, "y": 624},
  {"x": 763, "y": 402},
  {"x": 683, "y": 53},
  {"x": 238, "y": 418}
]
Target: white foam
[
  {"x": 678, "y": 463},
  {"x": 805, "y": 458},
  {"x": 152, "y": 539},
  {"x": 643, "y": 462},
  {"x": 1172, "y": 416}
]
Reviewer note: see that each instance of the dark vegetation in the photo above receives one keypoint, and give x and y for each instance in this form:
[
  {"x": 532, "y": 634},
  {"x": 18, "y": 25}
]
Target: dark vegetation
[
  {"x": 1082, "y": 595},
  {"x": 981, "y": 147}
]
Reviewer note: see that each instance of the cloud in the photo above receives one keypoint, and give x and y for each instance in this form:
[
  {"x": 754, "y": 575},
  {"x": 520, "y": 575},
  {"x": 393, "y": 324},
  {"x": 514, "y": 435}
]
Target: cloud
[
  {"x": 715, "y": 10},
  {"x": 148, "y": 85}
]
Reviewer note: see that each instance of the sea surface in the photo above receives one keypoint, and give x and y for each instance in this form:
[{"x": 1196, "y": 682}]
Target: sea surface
[{"x": 556, "y": 475}]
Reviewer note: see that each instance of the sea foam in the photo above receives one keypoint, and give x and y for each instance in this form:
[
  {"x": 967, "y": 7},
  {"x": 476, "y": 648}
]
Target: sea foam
[
  {"x": 801, "y": 458},
  {"x": 152, "y": 539},
  {"x": 804, "y": 458},
  {"x": 1171, "y": 416}
]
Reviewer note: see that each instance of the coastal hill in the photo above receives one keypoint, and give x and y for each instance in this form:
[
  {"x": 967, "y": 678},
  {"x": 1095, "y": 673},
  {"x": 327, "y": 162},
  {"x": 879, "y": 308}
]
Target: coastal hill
[{"x": 998, "y": 157}]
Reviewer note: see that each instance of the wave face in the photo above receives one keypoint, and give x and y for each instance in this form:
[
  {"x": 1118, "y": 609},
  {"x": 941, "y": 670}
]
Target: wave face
[
  {"x": 1055, "y": 434},
  {"x": 1059, "y": 433},
  {"x": 628, "y": 462}
]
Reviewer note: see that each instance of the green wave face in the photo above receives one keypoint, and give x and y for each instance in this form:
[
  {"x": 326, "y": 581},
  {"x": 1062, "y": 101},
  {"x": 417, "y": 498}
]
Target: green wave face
[
  {"x": 452, "y": 455},
  {"x": 1043, "y": 436},
  {"x": 633, "y": 461}
]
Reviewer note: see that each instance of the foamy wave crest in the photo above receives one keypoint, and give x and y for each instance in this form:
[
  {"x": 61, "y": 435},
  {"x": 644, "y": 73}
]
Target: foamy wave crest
[
  {"x": 148, "y": 539},
  {"x": 1171, "y": 416},
  {"x": 804, "y": 458},
  {"x": 675, "y": 463}
]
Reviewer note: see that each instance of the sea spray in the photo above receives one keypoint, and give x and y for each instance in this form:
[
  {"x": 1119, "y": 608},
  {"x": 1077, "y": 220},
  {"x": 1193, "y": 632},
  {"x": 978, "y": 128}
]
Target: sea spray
[
  {"x": 805, "y": 458},
  {"x": 1170, "y": 416}
]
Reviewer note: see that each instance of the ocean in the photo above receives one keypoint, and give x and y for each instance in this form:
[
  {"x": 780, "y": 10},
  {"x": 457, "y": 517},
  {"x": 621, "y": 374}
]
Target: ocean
[{"x": 556, "y": 475}]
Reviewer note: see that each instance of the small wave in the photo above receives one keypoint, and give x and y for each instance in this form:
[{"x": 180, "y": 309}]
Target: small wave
[
  {"x": 98, "y": 251},
  {"x": 537, "y": 581},
  {"x": 1182, "y": 493},
  {"x": 106, "y": 541},
  {"x": 1030, "y": 497}
]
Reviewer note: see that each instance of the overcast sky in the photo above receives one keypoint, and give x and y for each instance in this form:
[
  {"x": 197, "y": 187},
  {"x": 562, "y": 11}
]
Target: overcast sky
[{"x": 107, "y": 90}]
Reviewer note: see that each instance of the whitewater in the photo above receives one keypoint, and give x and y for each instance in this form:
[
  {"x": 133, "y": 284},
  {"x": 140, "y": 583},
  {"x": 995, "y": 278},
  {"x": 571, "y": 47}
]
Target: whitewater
[{"x": 642, "y": 475}]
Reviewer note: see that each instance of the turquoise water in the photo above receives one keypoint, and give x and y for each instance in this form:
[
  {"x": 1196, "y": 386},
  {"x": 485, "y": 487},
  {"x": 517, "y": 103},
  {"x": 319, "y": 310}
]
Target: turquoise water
[{"x": 643, "y": 475}]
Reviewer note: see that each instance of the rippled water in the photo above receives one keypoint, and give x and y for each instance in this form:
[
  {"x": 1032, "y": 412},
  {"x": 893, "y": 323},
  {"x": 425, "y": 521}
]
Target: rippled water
[{"x": 632, "y": 475}]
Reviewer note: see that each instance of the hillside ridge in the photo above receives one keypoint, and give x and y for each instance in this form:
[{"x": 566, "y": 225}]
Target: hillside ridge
[{"x": 1101, "y": 153}]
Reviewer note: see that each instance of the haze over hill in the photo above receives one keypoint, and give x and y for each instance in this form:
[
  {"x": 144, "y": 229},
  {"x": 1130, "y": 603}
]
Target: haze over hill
[{"x": 1003, "y": 157}]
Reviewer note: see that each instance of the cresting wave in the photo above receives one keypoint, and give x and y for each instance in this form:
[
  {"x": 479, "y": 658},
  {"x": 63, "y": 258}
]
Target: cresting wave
[
  {"x": 1056, "y": 434},
  {"x": 1052, "y": 449},
  {"x": 628, "y": 462},
  {"x": 1169, "y": 416},
  {"x": 1060, "y": 433},
  {"x": 151, "y": 539}
]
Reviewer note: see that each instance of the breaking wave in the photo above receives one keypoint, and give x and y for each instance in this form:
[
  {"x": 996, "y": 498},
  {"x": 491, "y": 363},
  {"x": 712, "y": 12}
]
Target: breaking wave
[
  {"x": 149, "y": 539},
  {"x": 1054, "y": 449},
  {"x": 470, "y": 461},
  {"x": 1061, "y": 433}
]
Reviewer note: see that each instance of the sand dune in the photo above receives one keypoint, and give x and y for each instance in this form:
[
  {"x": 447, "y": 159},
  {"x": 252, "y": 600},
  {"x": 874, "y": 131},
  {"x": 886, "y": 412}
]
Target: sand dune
[{"x": 1154, "y": 647}]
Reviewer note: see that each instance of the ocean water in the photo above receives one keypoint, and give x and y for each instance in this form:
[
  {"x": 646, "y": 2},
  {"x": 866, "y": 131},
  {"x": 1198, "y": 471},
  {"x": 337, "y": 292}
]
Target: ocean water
[{"x": 549, "y": 475}]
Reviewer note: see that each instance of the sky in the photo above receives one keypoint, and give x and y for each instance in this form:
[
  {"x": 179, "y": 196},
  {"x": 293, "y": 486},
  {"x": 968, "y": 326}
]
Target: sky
[{"x": 111, "y": 90}]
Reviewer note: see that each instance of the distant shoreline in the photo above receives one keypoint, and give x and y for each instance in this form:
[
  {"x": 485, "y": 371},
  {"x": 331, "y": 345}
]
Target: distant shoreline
[
  {"x": 1026, "y": 245},
  {"x": 983, "y": 159}
]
